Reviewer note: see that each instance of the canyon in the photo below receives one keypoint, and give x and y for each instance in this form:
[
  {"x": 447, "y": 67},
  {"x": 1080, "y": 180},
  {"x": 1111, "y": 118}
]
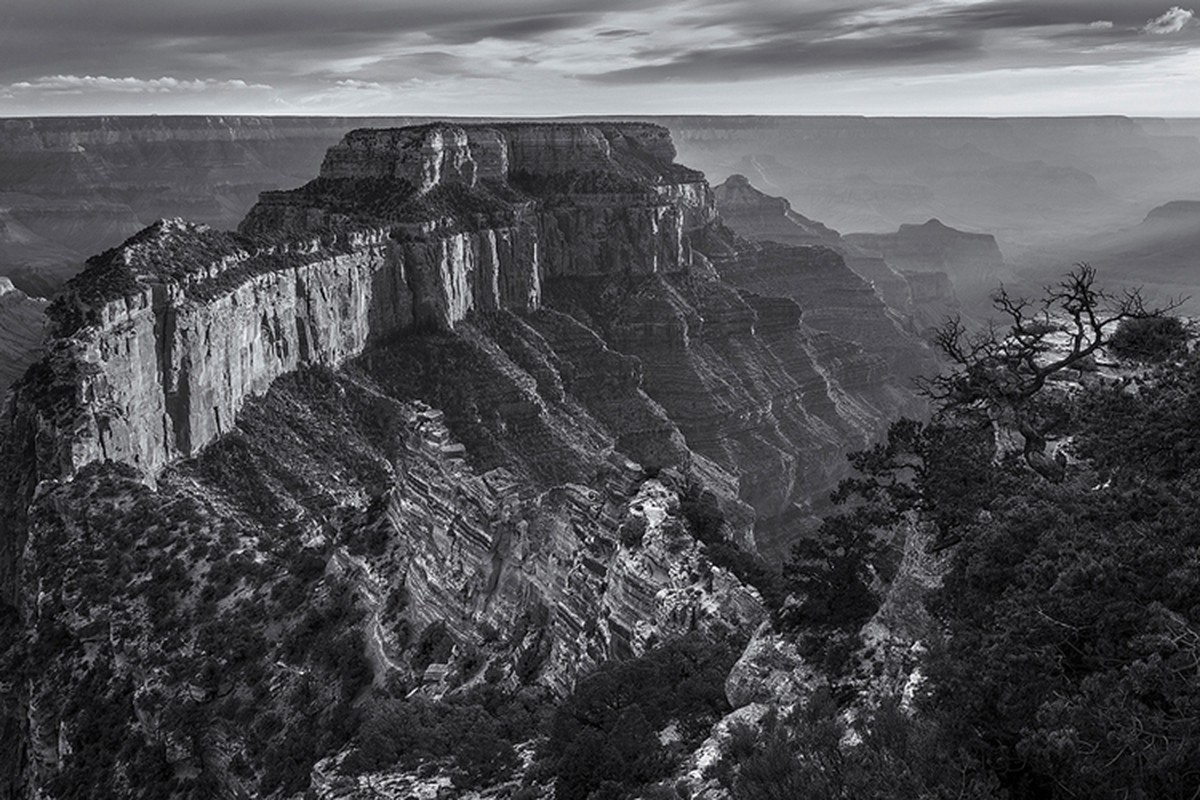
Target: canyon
[
  {"x": 71, "y": 187},
  {"x": 479, "y": 405},
  {"x": 446, "y": 420}
]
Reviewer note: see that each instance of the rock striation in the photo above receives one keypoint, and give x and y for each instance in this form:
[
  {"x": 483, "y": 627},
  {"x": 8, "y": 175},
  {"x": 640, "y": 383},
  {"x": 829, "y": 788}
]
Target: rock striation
[
  {"x": 22, "y": 329},
  {"x": 760, "y": 217},
  {"x": 418, "y": 228}
]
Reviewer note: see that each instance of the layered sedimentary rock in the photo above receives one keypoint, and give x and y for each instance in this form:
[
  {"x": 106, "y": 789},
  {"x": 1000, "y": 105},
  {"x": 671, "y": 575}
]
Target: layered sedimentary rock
[
  {"x": 183, "y": 323},
  {"x": 758, "y": 216},
  {"x": 161, "y": 341},
  {"x": 22, "y": 329},
  {"x": 762, "y": 218}
]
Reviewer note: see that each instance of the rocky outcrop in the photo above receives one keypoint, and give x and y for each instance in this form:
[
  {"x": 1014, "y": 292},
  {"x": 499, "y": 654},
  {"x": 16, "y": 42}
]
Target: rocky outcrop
[
  {"x": 415, "y": 229},
  {"x": 416, "y": 530},
  {"x": 751, "y": 385},
  {"x": 760, "y": 217},
  {"x": 22, "y": 329},
  {"x": 771, "y": 671}
]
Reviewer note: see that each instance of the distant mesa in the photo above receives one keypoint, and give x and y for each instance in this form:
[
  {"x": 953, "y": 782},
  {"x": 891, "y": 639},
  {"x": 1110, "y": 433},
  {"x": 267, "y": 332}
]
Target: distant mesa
[
  {"x": 972, "y": 260},
  {"x": 1185, "y": 211},
  {"x": 1162, "y": 252},
  {"x": 757, "y": 215}
]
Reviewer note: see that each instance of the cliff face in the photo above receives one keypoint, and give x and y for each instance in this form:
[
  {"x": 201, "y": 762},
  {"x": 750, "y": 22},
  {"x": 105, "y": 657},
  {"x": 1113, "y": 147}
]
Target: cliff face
[
  {"x": 184, "y": 323},
  {"x": 337, "y": 515},
  {"x": 22, "y": 328},
  {"x": 476, "y": 395}
]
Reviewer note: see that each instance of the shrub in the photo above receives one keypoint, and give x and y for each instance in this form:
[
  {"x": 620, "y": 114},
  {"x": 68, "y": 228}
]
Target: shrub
[
  {"x": 1149, "y": 339},
  {"x": 433, "y": 646},
  {"x": 603, "y": 738}
]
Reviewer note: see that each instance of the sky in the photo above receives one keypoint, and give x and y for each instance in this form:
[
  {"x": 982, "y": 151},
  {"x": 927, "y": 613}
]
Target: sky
[{"x": 569, "y": 57}]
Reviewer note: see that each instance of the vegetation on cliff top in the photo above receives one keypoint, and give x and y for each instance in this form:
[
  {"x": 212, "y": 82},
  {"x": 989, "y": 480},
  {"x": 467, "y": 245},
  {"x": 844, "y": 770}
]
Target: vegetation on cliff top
[{"x": 1066, "y": 633}]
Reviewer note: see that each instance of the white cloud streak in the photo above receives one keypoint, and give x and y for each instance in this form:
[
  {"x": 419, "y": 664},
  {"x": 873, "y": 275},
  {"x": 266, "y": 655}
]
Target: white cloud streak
[
  {"x": 1173, "y": 21},
  {"x": 70, "y": 84}
]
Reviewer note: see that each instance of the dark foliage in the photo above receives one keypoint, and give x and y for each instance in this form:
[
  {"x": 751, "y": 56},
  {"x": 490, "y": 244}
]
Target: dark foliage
[
  {"x": 474, "y": 733},
  {"x": 1068, "y": 627},
  {"x": 803, "y": 756},
  {"x": 1151, "y": 339},
  {"x": 605, "y": 734}
]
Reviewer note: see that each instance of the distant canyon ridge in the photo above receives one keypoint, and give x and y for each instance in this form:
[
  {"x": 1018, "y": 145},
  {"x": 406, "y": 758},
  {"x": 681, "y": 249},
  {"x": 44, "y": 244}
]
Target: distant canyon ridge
[{"x": 1049, "y": 190}]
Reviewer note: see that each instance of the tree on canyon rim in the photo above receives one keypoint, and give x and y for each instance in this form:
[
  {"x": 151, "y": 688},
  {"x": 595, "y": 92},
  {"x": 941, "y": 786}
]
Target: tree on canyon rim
[
  {"x": 990, "y": 408},
  {"x": 1068, "y": 631},
  {"x": 1000, "y": 373}
]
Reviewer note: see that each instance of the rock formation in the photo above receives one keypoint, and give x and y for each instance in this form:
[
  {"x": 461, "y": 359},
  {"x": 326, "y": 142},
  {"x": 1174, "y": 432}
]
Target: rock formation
[
  {"x": 972, "y": 260},
  {"x": 757, "y": 216},
  {"x": 22, "y": 328},
  {"x": 476, "y": 395},
  {"x": 920, "y": 301}
]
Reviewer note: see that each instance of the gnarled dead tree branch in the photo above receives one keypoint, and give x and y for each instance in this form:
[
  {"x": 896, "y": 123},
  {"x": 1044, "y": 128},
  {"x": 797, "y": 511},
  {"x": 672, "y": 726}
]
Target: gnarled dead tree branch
[{"x": 999, "y": 371}]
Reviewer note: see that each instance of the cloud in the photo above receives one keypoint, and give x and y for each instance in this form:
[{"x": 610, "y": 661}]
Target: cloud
[
  {"x": 1173, "y": 21},
  {"x": 539, "y": 53},
  {"x": 357, "y": 85},
  {"x": 1018, "y": 14},
  {"x": 620, "y": 33},
  {"x": 103, "y": 83},
  {"x": 787, "y": 56}
]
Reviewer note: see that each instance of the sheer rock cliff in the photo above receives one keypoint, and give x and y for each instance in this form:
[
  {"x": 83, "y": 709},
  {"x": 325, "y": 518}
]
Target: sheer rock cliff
[{"x": 22, "y": 329}]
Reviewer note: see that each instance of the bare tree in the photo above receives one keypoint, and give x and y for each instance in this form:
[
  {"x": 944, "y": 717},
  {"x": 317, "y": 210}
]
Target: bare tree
[{"x": 1001, "y": 371}]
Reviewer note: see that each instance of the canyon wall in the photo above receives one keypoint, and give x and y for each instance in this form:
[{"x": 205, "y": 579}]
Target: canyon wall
[
  {"x": 160, "y": 342},
  {"x": 834, "y": 291},
  {"x": 180, "y": 324},
  {"x": 22, "y": 329}
]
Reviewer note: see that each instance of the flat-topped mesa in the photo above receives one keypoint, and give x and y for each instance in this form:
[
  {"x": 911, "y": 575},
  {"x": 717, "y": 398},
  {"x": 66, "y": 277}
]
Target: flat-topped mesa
[
  {"x": 159, "y": 342},
  {"x": 603, "y": 198},
  {"x": 441, "y": 153},
  {"x": 972, "y": 260}
]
